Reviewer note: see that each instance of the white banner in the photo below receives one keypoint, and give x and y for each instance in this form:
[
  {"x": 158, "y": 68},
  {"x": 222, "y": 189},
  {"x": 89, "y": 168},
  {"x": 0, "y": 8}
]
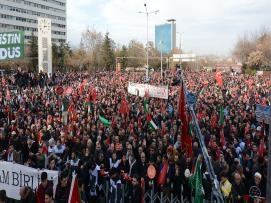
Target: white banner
[
  {"x": 45, "y": 45},
  {"x": 154, "y": 91},
  {"x": 14, "y": 176}
]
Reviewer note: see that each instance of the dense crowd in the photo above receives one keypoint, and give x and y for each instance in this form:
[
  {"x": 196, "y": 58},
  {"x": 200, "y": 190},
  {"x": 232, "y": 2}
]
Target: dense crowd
[{"x": 54, "y": 123}]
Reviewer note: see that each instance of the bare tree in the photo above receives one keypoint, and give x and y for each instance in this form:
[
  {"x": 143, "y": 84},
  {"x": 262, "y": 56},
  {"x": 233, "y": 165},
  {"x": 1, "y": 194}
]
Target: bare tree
[
  {"x": 254, "y": 50},
  {"x": 91, "y": 43}
]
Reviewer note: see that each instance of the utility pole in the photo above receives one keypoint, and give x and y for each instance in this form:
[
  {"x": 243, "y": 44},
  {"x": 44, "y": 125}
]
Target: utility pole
[
  {"x": 147, "y": 45},
  {"x": 161, "y": 47},
  {"x": 268, "y": 188}
]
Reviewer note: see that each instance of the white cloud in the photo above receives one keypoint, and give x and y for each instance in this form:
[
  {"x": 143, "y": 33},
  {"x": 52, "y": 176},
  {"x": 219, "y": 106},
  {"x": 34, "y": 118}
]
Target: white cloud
[{"x": 209, "y": 26}]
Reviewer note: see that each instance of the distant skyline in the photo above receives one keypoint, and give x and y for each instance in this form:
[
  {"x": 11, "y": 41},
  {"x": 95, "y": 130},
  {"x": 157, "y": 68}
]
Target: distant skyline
[{"x": 208, "y": 26}]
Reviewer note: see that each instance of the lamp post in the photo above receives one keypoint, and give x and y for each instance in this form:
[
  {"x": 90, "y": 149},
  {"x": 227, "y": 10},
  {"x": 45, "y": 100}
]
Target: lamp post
[
  {"x": 161, "y": 48},
  {"x": 180, "y": 45},
  {"x": 147, "y": 14}
]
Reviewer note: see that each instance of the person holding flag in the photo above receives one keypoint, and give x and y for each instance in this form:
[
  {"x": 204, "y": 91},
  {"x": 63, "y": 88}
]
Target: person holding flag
[{"x": 196, "y": 181}]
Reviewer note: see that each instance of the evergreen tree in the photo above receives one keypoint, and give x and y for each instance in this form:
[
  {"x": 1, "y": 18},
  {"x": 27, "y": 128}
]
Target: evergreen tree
[
  {"x": 108, "y": 52},
  {"x": 33, "y": 53},
  {"x": 124, "y": 53}
]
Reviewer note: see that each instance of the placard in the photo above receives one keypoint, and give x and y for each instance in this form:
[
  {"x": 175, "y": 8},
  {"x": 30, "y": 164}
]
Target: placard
[
  {"x": 13, "y": 176},
  {"x": 153, "y": 91}
]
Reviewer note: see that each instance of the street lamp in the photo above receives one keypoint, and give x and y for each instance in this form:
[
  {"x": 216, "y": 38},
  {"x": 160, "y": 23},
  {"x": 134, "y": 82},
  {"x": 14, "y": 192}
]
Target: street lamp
[
  {"x": 147, "y": 14},
  {"x": 181, "y": 34},
  {"x": 161, "y": 48}
]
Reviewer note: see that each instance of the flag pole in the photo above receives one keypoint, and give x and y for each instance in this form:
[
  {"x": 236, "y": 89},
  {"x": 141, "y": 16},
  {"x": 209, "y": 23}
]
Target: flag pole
[
  {"x": 216, "y": 193},
  {"x": 268, "y": 188}
]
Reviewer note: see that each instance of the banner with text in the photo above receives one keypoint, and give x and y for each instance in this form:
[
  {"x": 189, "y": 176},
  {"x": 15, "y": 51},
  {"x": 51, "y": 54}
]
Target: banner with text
[
  {"x": 153, "y": 91},
  {"x": 263, "y": 113},
  {"x": 14, "y": 176},
  {"x": 11, "y": 45}
]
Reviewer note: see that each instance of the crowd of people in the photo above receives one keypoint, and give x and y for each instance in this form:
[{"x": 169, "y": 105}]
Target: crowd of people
[{"x": 55, "y": 123}]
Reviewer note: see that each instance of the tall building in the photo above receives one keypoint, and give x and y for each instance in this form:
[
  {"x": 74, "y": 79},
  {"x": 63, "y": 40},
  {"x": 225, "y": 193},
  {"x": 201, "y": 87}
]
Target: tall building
[
  {"x": 165, "y": 36},
  {"x": 23, "y": 15}
]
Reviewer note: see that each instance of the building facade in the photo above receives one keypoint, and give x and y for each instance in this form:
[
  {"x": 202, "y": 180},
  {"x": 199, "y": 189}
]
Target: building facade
[
  {"x": 23, "y": 15},
  {"x": 165, "y": 37}
]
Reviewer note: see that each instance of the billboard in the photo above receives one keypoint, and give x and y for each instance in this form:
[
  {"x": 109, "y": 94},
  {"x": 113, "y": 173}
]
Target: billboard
[
  {"x": 163, "y": 38},
  {"x": 11, "y": 45},
  {"x": 45, "y": 45}
]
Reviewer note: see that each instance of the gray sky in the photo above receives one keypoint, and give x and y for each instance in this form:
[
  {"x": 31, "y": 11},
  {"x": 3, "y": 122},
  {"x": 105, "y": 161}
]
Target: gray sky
[{"x": 208, "y": 26}]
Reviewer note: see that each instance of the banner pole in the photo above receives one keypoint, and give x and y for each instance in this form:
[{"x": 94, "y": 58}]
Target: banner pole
[{"x": 268, "y": 188}]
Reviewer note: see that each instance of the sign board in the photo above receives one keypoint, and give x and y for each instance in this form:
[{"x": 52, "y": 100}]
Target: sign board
[
  {"x": 191, "y": 98},
  {"x": 45, "y": 45},
  {"x": 184, "y": 57},
  {"x": 151, "y": 172},
  {"x": 263, "y": 113},
  {"x": 153, "y": 91},
  {"x": 11, "y": 45},
  {"x": 13, "y": 176}
]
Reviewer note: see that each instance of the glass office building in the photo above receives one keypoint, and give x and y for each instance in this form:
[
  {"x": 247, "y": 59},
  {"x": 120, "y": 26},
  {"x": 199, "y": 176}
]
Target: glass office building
[
  {"x": 165, "y": 37},
  {"x": 23, "y": 15}
]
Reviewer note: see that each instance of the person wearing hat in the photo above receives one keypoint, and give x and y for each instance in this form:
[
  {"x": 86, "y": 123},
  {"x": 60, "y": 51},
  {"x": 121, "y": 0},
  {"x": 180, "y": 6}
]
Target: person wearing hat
[
  {"x": 258, "y": 183},
  {"x": 43, "y": 187}
]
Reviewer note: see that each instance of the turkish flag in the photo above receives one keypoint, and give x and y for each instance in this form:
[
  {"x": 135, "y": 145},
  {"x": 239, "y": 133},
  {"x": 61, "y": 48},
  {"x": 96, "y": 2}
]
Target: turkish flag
[
  {"x": 124, "y": 107},
  {"x": 218, "y": 78},
  {"x": 74, "y": 196},
  {"x": 163, "y": 175},
  {"x": 186, "y": 140}
]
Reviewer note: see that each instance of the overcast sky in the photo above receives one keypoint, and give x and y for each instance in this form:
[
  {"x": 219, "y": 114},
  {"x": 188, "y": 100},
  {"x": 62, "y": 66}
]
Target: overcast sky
[{"x": 208, "y": 26}]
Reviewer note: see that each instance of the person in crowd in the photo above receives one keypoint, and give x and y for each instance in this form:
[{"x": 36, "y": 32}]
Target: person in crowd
[
  {"x": 63, "y": 188},
  {"x": 3, "y": 197},
  {"x": 135, "y": 190},
  {"x": 12, "y": 155},
  {"x": 259, "y": 187},
  {"x": 225, "y": 186},
  {"x": 27, "y": 195},
  {"x": 115, "y": 193},
  {"x": 238, "y": 189},
  {"x": 43, "y": 187},
  {"x": 85, "y": 119},
  {"x": 48, "y": 196}
]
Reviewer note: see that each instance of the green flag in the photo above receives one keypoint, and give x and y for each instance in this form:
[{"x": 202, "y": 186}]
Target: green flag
[
  {"x": 202, "y": 91},
  {"x": 221, "y": 116},
  {"x": 104, "y": 121},
  {"x": 196, "y": 184},
  {"x": 146, "y": 106}
]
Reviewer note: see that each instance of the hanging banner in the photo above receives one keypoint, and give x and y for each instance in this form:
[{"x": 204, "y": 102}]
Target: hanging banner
[
  {"x": 45, "y": 45},
  {"x": 153, "y": 91},
  {"x": 11, "y": 45},
  {"x": 13, "y": 176},
  {"x": 263, "y": 113}
]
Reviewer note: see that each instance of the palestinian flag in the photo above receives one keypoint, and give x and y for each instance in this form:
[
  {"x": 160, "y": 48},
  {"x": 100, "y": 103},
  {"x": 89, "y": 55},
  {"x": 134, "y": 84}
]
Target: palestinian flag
[
  {"x": 74, "y": 196},
  {"x": 104, "y": 121},
  {"x": 149, "y": 118}
]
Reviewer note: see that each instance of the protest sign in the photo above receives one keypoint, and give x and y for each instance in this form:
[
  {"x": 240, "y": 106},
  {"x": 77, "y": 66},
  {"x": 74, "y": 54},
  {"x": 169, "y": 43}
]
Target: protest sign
[
  {"x": 13, "y": 176},
  {"x": 263, "y": 113},
  {"x": 11, "y": 45},
  {"x": 153, "y": 91}
]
